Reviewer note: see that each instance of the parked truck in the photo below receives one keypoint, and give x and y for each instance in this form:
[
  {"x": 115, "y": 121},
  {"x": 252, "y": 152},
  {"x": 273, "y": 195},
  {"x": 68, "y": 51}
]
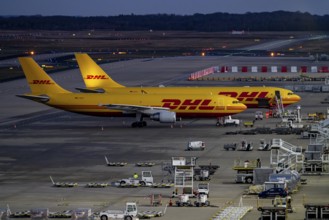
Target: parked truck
[
  {"x": 228, "y": 121},
  {"x": 203, "y": 188},
  {"x": 195, "y": 145},
  {"x": 129, "y": 213},
  {"x": 145, "y": 180}
]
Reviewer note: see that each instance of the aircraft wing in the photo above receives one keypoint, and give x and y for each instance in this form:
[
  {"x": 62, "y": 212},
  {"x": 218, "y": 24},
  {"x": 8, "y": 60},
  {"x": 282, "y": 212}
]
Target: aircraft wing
[
  {"x": 133, "y": 108},
  {"x": 38, "y": 98}
]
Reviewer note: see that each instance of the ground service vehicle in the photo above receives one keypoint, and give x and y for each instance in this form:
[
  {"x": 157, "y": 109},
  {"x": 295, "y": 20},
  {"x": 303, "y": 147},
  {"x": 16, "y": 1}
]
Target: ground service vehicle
[
  {"x": 273, "y": 192},
  {"x": 263, "y": 146},
  {"x": 204, "y": 175},
  {"x": 259, "y": 115},
  {"x": 202, "y": 200},
  {"x": 244, "y": 176},
  {"x": 232, "y": 146},
  {"x": 145, "y": 180},
  {"x": 128, "y": 214},
  {"x": 203, "y": 188},
  {"x": 230, "y": 121},
  {"x": 195, "y": 145},
  {"x": 183, "y": 200}
]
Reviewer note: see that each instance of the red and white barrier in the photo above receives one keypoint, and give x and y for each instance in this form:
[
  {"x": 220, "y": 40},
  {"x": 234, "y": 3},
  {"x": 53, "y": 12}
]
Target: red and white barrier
[
  {"x": 205, "y": 72},
  {"x": 258, "y": 69}
]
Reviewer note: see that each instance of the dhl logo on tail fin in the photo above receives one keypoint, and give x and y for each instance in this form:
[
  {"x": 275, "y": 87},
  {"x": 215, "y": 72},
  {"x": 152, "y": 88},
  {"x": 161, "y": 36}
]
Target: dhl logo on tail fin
[
  {"x": 96, "y": 77},
  {"x": 35, "y": 81},
  {"x": 91, "y": 72},
  {"x": 39, "y": 81}
]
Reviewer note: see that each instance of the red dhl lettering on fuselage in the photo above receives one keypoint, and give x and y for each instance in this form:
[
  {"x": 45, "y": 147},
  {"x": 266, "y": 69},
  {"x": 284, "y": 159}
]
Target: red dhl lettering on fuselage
[
  {"x": 188, "y": 104},
  {"x": 96, "y": 77},
  {"x": 41, "y": 82},
  {"x": 245, "y": 96}
]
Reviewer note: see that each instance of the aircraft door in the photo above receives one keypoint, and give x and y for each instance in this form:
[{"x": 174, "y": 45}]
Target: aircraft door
[
  {"x": 263, "y": 103},
  {"x": 278, "y": 94}
]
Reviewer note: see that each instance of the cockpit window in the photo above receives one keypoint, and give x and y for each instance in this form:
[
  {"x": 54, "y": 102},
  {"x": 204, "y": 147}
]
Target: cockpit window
[
  {"x": 290, "y": 93},
  {"x": 235, "y": 102}
]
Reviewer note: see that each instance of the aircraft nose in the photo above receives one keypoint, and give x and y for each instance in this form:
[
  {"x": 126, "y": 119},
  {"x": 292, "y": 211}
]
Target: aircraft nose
[
  {"x": 297, "y": 98},
  {"x": 243, "y": 107}
]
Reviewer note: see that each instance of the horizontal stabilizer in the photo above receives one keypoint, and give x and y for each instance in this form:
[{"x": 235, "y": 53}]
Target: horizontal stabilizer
[
  {"x": 37, "y": 98},
  {"x": 84, "y": 90}
]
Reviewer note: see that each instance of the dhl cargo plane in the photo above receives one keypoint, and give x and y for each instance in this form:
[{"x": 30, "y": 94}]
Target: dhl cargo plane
[
  {"x": 159, "y": 107},
  {"x": 96, "y": 80}
]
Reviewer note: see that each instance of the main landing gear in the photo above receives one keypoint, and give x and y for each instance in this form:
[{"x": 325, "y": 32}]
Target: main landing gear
[{"x": 139, "y": 123}]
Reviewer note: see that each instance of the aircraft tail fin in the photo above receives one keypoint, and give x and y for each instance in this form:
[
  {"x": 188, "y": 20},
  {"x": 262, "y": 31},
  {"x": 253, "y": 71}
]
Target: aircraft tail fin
[
  {"x": 52, "y": 180},
  {"x": 93, "y": 75},
  {"x": 107, "y": 161},
  {"x": 39, "y": 81}
]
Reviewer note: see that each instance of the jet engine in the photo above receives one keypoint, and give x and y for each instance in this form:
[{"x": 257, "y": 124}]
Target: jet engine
[{"x": 164, "y": 117}]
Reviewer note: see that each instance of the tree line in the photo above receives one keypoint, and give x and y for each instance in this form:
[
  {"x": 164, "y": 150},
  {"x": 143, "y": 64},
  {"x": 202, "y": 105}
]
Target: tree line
[{"x": 264, "y": 21}]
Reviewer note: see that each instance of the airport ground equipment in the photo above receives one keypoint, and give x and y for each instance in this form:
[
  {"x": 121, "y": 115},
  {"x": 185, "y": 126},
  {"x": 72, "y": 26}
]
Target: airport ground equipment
[
  {"x": 81, "y": 214},
  {"x": 232, "y": 146},
  {"x": 183, "y": 200},
  {"x": 263, "y": 145},
  {"x": 39, "y": 214},
  {"x": 245, "y": 146},
  {"x": 128, "y": 214},
  {"x": 145, "y": 164},
  {"x": 285, "y": 156},
  {"x": 204, "y": 175},
  {"x": 228, "y": 121},
  {"x": 244, "y": 170},
  {"x": 204, "y": 172},
  {"x": 203, "y": 188},
  {"x": 316, "y": 159},
  {"x": 202, "y": 200},
  {"x": 272, "y": 213},
  {"x": 114, "y": 164},
  {"x": 315, "y": 211},
  {"x": 63, "y": 184},
  {"x": 156, "y": 199},
  {"x": 145, "y": 180},
  {"x": 97, "y": 185},
  {"x": 259, "y": 115},
  {"x": 233, "y": 212},
  {"x": 195, "y": 146},
  {"x": 5, "y": 213},
  {"x": 151, "y": 213},
  {"x": 283, "y": 202},
  {"x": 279, "y": 107},
  {"x": 184, "y": 173},
  {"x": 248, "y": 124}
]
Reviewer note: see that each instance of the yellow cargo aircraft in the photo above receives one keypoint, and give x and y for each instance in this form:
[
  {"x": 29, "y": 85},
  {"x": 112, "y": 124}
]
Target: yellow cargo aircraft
[
  {"x": 96, "y": 80},
  {"x": 159, "y": 107}
]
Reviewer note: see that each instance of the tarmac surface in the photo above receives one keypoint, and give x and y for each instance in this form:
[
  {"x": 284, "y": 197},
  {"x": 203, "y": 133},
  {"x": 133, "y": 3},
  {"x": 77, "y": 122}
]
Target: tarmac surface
[{"x": 38, "y": 142}]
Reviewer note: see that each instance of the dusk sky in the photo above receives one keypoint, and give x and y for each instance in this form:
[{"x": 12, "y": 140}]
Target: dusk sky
[{"x": 140, "y": 7}]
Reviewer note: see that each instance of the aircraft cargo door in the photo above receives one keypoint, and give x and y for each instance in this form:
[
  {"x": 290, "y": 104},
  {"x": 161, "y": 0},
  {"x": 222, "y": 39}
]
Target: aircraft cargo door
[{"x": 263, "y": 103}]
